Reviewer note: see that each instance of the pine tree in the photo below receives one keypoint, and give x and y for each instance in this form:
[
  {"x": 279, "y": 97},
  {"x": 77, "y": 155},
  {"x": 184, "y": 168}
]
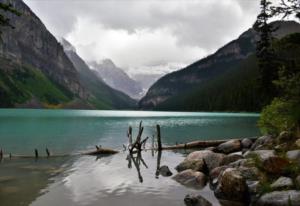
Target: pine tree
[{"x": 264, "y": 51}]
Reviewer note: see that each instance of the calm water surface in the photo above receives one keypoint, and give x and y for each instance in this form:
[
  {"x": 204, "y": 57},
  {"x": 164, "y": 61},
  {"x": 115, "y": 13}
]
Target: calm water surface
[{"x": 83, "y": 180}]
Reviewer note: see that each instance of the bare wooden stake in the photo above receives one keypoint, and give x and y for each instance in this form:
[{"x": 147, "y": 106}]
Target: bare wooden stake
[
  {"x": 36, "y": 153},
  {"x": 159, "y": 147},
  {"x": 48, "y": 152},
  {"x": 129, "y": 135}
]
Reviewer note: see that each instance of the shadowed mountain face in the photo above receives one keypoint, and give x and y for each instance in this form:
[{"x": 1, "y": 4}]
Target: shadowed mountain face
[
  {"x": 169, "y": 92},
  {"x": 36, "y": 72},
  {"x": 117, "y": 78}
]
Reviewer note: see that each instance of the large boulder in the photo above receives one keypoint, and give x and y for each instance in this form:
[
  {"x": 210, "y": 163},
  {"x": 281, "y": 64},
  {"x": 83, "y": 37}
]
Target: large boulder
[
  {"x": 275, "y": 165},
  {"x": 213, "y": 160},
  {"x": 230, "y": 146},
  {"x": 191, "y": 178},
  {"x": 282, "y": 183},
  {"x": 201, "y": 161},
  {"x": 232, "y": 186},
  {"x": 280, "y": 198},
  {"x": 214, "y": 175},
  {"x": 197, "y": 165},
  {"x": 261, "y": 154},
  {"x": 198, "y": 155},
  {"x": 196, "y": 200},
  {"x": 264, "y": 142},
  {"x": 231, "y": 158},
  {"x": 246, "y": 143},
  {"x": 294, "y": 155},
  {"x": 250, "y": 173}
]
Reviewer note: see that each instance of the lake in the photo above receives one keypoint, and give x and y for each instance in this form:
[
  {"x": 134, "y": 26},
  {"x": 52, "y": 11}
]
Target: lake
[{"x": 111, "y": 180}]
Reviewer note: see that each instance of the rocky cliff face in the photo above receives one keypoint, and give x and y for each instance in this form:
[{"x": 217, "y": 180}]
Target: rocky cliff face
[
  {"x": 191, "y": 77},
  {"x": 32, "y": 44},
  {"x": 101, "y": 94},
  {"x": 117, "y": 78}
]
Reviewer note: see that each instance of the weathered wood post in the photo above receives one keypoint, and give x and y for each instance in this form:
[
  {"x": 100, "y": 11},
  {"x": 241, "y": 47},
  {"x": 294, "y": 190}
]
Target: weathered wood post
[
  {"x": 159, "y": 147},
  {"x": 129, "y": 135},
  {"x": 36, "y": 153},
  {"x": 1, "y": 154},
  {"x": 47, "y": 152}
]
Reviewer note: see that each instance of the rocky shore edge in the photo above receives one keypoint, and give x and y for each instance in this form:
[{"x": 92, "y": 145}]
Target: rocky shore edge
[{"x": 260, "y": 172}]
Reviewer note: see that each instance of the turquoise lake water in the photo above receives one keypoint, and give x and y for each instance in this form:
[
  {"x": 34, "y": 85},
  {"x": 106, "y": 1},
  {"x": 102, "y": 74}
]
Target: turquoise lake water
[{"x": 84, "y": 180}]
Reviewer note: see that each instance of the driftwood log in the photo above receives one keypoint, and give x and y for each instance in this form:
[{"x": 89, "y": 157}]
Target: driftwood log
[
  {"x": 101, "y": 151},
  {"x": 196, "y": 144}
]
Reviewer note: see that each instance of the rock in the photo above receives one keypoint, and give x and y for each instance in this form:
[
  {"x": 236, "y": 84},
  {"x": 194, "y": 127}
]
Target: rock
[
  {"x": 213, "y": 149},
  {"x": 262, "y": 142},
  {"x": 232, "y": 186},
  {"x": 197, "y": 165},
  {"x": 261, "y": 154},
  {"x": 213, "y": 160},
  {"x": 284, "y": 136},
  {"x": 275, "y": 165},
  {"x": 297, "y": 180},
  {"x": 239, "y": 163},
  {"x": 294, "y": 155},
  {"x": 196, "y": 200},
  {"x": 191, "y": 178},
  {"x": 253, "y": 186},
  {"x": 297, "y": 143},
  {"x": 250, "y": 173},
  {"x": 4, "y": 179},
  {"x": 214, "y": 175},
  {"x": 198, "y": 155},
  {"x": 280, "y": 198},
  {"x": 282, "y": 183},
  {"x": 230, "y": 146},
  {"x": 165, "y": 171},
  {"x": 246, "y": 143},
  {"x": 231, "y": 158},
  {"x": 281, "y": 147}
]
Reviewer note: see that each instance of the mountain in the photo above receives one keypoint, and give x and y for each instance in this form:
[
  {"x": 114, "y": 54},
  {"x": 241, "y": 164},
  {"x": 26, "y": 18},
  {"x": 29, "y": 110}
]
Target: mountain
[
  {"x": 36, "y": 72},
  {"x": 146, "y": 80},
  {"x": 117, "y": 78},
  {"x": 230, "y": 72},
  {"x": 103, "y": 96}
]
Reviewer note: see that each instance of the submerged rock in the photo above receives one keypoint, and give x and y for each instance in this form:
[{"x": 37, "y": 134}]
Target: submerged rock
[
  {"x": 196, "y": 200},
  {"x": 197, "y": 165},
  {"x": 280, "y": 198},
  {"x": 191, "y": 178},
  {"x": 282, "y": 183},
  {"x": 165, "y": 171},
  {"x": 230, "y": 146},
  {"x": 232, "y": 186}
]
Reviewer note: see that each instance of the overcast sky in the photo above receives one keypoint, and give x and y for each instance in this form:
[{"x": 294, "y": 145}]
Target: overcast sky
[{"x": 153, "y": 36}]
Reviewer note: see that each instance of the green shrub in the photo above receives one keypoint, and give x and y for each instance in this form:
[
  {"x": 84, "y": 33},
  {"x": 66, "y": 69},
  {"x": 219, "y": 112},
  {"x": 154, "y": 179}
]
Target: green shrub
[{"x": 279, "y": 116}]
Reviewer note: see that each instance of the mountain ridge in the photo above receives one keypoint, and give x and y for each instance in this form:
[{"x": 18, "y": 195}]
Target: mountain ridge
[{"x": 203, "y": 70}]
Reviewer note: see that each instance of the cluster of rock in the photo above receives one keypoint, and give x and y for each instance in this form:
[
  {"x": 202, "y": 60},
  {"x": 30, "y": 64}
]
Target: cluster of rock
[{"x": 262, "y": 172}]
